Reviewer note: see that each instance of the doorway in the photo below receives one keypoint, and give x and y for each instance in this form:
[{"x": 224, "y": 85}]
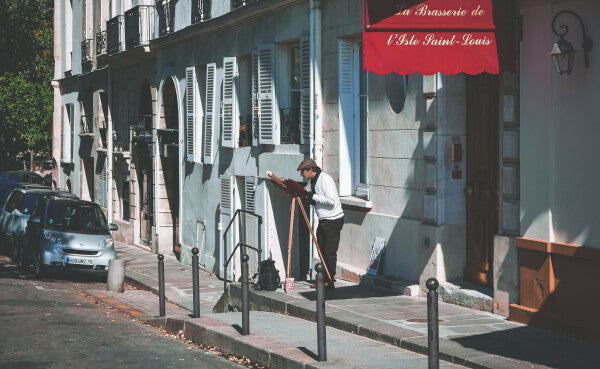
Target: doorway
[{"x": 482, "y": 176}]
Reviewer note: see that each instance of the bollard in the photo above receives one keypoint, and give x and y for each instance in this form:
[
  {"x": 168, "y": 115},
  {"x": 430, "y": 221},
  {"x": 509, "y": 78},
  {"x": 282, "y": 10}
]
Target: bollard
[
  {"x": 161, "y": 285},
  {"x": 115, "y": 278},
  {"x": 433, "y": 334},
  {"x": 195, "y": 283},
  {"x": 321, "y": 336},
  {"x": 245, "y": 309}
]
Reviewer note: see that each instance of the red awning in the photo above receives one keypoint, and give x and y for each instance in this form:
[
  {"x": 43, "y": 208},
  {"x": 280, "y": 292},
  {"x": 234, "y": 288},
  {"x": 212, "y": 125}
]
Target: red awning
[{"x": 435, "y": 36}]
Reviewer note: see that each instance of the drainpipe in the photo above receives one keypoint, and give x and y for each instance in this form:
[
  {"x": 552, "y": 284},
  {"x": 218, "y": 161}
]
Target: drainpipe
[
  {"x": 316, "y": 111},
  {"x": 109, "y": 149}
]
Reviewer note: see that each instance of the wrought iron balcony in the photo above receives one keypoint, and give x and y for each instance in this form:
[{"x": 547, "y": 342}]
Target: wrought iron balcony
[
  {"x": 141, "y": 127},
  {"x": 200, "y": 10},
  {"x": 121, "y": 141},
  {"x": 290, "y": 126},
  {"x": 87, "y": 51},
  {"x": 101, "y": 43},
  {"x": 168, "y": 137},
  {"x": 166, "y": 16},
  {"x": 86, "y": 128},
  {"x": 239, "y": 3},
  {"x": 115, "y": 40},
  {"x": 139, "y": 26},
  {"x": 245, "y": 131}
]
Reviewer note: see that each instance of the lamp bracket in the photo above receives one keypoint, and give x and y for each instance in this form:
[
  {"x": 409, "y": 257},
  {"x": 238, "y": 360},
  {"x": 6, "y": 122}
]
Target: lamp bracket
[{"x": 587, "y": 42}]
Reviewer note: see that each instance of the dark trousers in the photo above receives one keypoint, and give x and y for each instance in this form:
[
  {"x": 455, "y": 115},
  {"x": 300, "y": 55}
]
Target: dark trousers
[{"x": 328, "y": 237}]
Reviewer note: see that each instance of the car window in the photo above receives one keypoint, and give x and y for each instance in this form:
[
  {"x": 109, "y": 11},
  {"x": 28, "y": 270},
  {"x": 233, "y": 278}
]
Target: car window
[
  {"x": 75, "y": 217},
  {"x": 29, "y": 203},
  {"x": 39, "y": 208},
  {"x": 13, "y": 201}
]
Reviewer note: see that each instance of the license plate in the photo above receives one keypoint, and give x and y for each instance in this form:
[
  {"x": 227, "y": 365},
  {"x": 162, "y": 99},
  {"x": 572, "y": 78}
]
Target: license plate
[{"x": 79, "y": 261}]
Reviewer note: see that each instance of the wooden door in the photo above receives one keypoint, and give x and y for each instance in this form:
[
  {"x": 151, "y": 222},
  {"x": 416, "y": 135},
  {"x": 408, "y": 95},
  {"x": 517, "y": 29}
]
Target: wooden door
[{"x": 482, "y": 176}]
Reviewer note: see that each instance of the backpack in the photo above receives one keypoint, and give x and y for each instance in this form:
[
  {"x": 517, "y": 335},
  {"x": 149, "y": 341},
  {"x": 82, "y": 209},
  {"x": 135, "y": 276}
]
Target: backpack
[{"x": 268, "y": 278}]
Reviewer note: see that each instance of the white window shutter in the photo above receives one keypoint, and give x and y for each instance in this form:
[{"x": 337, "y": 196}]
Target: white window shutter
[
  {"x": 226, "y": 196},
  {"x": 268, "y": 113},
  {"x": 190, "y": 114},
  {"x": 72, "y": 132},
  {"x": 255, "y": 120},
  {"x": 230, "y": 116},
  {"x": 249, "y": 194},
  {"x": 305, "y": 92},
  {"x": 346, "y": 113},
  {"x": 210, "y": 113}
]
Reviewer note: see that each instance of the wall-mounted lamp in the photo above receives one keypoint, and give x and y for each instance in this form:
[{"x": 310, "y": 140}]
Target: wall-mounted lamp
[{"x": 563, "y": 52}]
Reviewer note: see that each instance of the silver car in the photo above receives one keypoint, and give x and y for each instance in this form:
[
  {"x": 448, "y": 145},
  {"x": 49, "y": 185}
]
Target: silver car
[
  {"x": 68, "y": 233},
  {"x": 16, "y": 212}
]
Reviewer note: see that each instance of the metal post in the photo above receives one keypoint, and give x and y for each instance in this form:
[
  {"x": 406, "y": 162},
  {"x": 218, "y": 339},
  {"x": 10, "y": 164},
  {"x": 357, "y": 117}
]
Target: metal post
[
  {"x": 433, "y": 334},
  {"x": 195, "y": 282},
  {"x": 321, "y": 336},
  {"x": 245, "y": 309},
  {"x": 161, "y": 285}
]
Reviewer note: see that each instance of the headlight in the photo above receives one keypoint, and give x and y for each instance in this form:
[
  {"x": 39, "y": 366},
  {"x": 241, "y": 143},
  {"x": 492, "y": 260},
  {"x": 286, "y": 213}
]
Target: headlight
[
  {"x": 51, "y": 237},
  {"x": 109, "y": 242}
]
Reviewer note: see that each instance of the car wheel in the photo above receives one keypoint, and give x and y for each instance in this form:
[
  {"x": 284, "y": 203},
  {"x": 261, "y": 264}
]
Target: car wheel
[{"x": 38, "y": 267}]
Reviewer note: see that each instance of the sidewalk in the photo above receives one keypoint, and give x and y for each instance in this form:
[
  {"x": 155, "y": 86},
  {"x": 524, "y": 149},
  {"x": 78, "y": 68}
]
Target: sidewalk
[{"x": 468, "y": 337}]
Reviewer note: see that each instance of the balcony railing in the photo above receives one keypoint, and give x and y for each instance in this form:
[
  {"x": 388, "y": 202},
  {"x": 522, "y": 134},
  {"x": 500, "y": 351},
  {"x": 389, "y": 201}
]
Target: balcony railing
[
  {"x": 200, "y": 10},
  {"x": 290, "y": 126},
  {"x": 115, "y": 37},
  {"x": 87, "y": 51},
  {"x": 101, "y": 43},
  {"x": 166, "y": 16},
  {"x": 141, "y": 127},
  {"x": 245, "y": 131},
  {"x": 139, "y": 26},
  {"x": 239, "y": 3},
  {"x": 168, "y": 141},
  {"x": 86, "y": 126},
  {"x": 121, "y": 141}
]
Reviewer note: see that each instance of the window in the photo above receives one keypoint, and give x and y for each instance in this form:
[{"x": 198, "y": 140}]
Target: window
[
  {"x": 67, "y": 134},
  {"x": 126, "y": 212},
  {"x": 229, "y": 104},
  {"x": 353, "y": 115},
  {"x": 245, "y": 100}
]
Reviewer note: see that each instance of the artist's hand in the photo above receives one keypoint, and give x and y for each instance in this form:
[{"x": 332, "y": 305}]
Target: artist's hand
[{"x": 309, "y": 197}]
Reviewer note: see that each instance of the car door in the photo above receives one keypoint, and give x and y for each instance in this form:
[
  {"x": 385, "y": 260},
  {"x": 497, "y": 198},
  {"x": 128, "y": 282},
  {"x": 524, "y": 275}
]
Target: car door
[
  {"x": 33, "y": 231},
  {"x": 8, "y": 213}
]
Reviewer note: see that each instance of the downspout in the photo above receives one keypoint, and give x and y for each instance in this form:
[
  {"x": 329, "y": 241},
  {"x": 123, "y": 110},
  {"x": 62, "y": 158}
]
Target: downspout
[{"x": 109, "y": 150}]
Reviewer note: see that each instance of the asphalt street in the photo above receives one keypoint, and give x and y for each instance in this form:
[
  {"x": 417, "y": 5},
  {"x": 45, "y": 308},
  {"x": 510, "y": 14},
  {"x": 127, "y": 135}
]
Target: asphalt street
[{"x": 49, "y": 323}]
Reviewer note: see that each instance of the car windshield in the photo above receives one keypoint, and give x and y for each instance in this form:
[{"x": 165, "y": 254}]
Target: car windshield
[
  {"x": 75, "y": 217},
  {"x": 29, "y": 203}
]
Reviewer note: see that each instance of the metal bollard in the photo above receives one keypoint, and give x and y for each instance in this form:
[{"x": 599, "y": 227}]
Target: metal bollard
[
  {"x": 195, "y": 283},
  {"x": 161, "y": 285},
  {"x": 433, "y": 334},
  {"x": 321, "y": 336},
  {"x": 245, "y": 308}
]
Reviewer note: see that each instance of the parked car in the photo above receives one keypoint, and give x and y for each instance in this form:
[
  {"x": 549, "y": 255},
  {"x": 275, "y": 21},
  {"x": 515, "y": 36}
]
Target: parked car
[
  {"x": 16, "y": 212},
  {"x": 67, "y": 233},
  {"x": 5, "y": 189},
  {"x": 22, "y": 176}
]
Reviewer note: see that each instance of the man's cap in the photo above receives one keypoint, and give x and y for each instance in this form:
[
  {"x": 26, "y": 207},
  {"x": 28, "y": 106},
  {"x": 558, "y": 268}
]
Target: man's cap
[{"x": 307, "y": 163}]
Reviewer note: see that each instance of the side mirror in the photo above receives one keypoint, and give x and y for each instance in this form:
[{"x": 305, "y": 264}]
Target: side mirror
[
  {"x": 113, "y": 227},
  {"x": 35, "y": 220}
]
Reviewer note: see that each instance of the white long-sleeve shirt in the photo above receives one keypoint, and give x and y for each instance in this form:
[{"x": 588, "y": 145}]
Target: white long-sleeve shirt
[{"x": 326, "y": 197}]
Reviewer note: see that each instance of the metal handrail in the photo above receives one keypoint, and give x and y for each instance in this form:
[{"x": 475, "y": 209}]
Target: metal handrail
[{"x": 257, "y": 249}]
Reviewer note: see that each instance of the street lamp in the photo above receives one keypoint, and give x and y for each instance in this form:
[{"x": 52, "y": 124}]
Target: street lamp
[{"x": 563, "y": 51}]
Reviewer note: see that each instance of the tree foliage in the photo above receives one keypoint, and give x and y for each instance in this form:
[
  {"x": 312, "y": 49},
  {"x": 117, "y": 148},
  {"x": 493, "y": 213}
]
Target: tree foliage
[{"x": 26, "y": 66}]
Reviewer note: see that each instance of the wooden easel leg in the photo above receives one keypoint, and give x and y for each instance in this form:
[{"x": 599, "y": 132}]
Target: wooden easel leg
[
  {"x": 313, "y": 236},
  {"x": 289, "y": 260}
]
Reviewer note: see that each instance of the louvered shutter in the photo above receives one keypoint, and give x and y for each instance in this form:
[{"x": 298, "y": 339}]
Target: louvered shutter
[
  {"x": 230, "y": 116},
  {"x": 305, "y": 92},
  {"x": 210, "y": 111},
  {"x": 268, "y": 114},
  {"x": 102, "y": 183},
  {"x": 227, "y": 210},
  {"x": 347, "y": 94},
  {"x": 190, "y": 114},
  {"x": 255, "y": 120},
  {"x": 71, "y": 131},
  {"x": 249, "y": 192}
]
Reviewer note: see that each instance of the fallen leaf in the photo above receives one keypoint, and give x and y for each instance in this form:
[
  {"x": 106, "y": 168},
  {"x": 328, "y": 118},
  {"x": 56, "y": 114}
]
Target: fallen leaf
[{"x": 100, "y": 327}]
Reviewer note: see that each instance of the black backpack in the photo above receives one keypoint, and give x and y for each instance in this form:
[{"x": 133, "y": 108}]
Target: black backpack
[{"x": 268, "y": 278}]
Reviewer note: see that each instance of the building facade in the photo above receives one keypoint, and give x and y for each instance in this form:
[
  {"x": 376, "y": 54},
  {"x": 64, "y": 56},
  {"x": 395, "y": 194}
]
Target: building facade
[{"x": 169, "y": 113}]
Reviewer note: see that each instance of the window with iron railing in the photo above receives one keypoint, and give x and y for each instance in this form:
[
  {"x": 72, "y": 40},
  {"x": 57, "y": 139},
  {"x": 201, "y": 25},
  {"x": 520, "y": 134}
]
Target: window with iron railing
[
  {"x": 139, "y": 24},
  {"x": 166, "y": 16},
  {"x": 200, "y": 10},
  {"x": 114, "y": 35},
  {"x": 168, "y": 136},
  {"x": 141, "y": 126},
  {"x": 101, "y": 43},
  {"x": 87, "y": 51},
  {"x": 121, "y": 141}
]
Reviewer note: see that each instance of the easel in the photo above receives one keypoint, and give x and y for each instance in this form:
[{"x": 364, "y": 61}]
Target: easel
[{"x": 296, "y": 192}]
